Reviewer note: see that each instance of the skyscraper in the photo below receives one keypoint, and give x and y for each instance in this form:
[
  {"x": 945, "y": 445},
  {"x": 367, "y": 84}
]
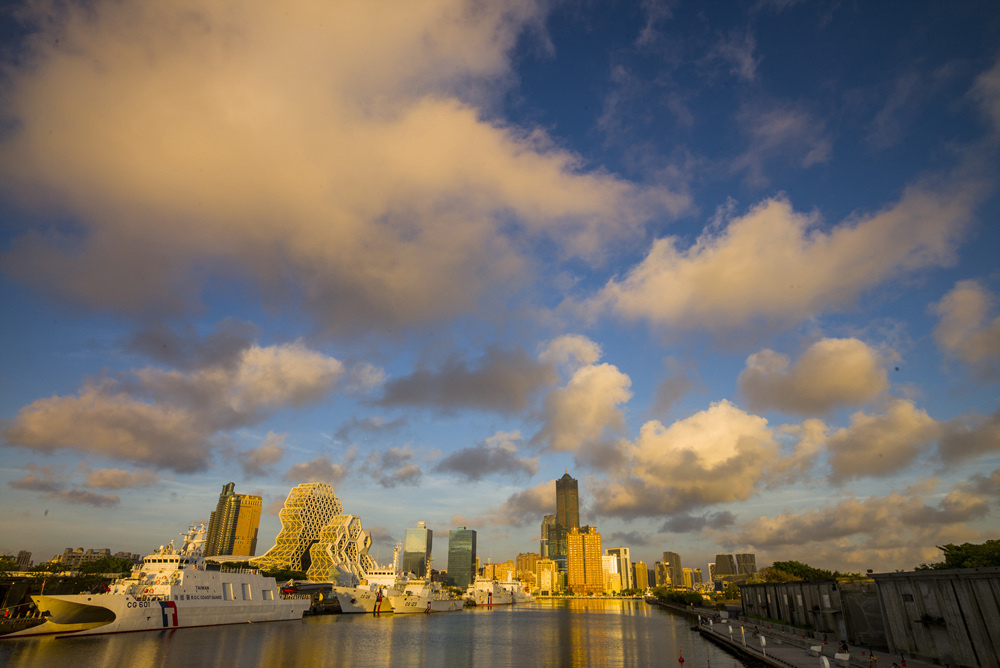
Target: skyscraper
[
  {"x": 746, "y": 563},
  {"x": 567, "y": 502},
  {"x": 624, "y": 565},
  {"x": 672, "y": 563},
  {"x": 417, "y": 545},
  {"x": 461, "y": 557},
  {"x": 724, "y": 565},
  {"x": 640, "y": 576},
  {"x": 233, "y": 525},
  {"x": 584, "y": 561},
  {"x": 548, "y": 534}
]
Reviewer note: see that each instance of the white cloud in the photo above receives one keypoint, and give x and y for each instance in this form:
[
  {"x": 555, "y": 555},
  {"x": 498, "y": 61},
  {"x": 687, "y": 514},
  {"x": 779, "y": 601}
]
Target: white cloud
[
  {"x": 326, "y": 153},
  {"x": 830, "y": 374},
  {"x": 879, "y": 445},
  {"x": 966, "y": 330},
  {"x": 776, "y": 266},
  {"x": 258, "y": 461}
]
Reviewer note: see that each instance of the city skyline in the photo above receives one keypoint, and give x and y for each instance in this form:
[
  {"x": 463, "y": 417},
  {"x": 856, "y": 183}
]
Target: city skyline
[{"x": 734, "y": 265}]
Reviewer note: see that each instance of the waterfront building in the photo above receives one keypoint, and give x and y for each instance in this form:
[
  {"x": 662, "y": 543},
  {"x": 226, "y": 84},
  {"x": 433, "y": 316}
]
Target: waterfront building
[
  {"x": 526, "y": 561},
  {"x": 746, "y": 563},
  {"x": 341, "y": 552},
  {"x": 584, "y": 563},
  {"x": 688, "y": 576},
  {"x": 546, "y": 577},
  {"x": 711, "y": 571},
  {"x": 547, "y": 536},
  {"x": 725, "y": 565},
  {"x": 612, "y": 577},
  {"x": 417, "y": 544},
  {"x": 461, "y": 557},
  {"x": 308, "y": 508},
  {"x": 696, "y": 577},
  {"x": 640, "y": 576},
  {"x": 23, "y": 560},
  {"x": 661, "y": 576},
  {"x": 233, "y": 525},
  {"x": 624, "y": 565},
  {"x": 672, "y": 562}
]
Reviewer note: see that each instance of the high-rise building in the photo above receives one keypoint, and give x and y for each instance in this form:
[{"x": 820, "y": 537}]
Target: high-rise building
[
  {"x": 548, "y": 534},
  {"x": 584, "y": 561},
  {"x": 696, "y": 577},
  {"x": 725, "y": 565},
  {"x": 612, "y": 576},
  {"x": 688, "y": 578},
  {"x": 567, "y": 502},
  {"x": 417, "y": 544},
  {"x": 711, "y": 571},
  {"x": 233, "y": 525},
  {"x": 640, "y": 576},
  {"x": 672, "y": 562},
  {"x": 746, "y": 563},
  {"x": 546, "y": 577},
  {"x": 461, "y": 557},
  {"x": 661, "y": 575},
  {"x": 23, "y": 560},
  {"x": 624, "y": 565}
]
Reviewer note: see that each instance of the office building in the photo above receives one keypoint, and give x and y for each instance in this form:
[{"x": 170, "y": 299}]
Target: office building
[
  {"x": 640, "y": 576},
  {"x": 417, "y": 544},
  {"x": 725, "y": 565},
  {"x": 661, "y": 575},
  {"x": 584, "y": 561},
  {"x": 546, "y": 577},
  {"x": 672, "y": 562},
  {"x": 23, "y": 560},
  {"x": 548, "y": 535},
  {"x": 461, "y": 557},
  {"x": 624, "y": 565},
  {"x": 688, "y": 578},
  {"x": 746, "y": 564},
  {"x": 341, "y": 552},
  {"x": 233, "y": 525},
  {"x": 567, "y": 502}
]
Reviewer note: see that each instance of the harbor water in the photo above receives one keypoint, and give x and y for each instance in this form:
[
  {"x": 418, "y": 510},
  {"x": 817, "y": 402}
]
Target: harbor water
[{"x": 549, "y": 632}]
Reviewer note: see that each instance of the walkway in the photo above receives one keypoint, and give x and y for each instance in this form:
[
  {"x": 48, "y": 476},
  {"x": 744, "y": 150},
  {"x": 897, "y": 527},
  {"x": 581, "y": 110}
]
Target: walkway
[{"x": 784, "y": 650}]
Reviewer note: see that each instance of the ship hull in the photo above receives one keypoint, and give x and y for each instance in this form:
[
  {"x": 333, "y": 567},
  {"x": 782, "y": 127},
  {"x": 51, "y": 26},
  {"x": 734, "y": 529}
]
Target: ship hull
[
  {"x": 415, "y": 604},
  {"x": 362, "y": 601}
]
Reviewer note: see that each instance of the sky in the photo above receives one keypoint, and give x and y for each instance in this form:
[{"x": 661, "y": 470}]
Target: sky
[{"x": 733, "y": 266}]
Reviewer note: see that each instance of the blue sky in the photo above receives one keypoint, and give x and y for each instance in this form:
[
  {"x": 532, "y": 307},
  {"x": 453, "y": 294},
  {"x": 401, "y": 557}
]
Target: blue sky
[{"x": 732, "y": 265}]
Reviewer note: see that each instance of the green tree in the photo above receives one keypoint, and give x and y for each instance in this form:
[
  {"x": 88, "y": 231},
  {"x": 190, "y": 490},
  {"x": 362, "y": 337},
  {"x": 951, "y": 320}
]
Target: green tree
[
  {"x": 967, "y": 555},
  {"x": 106, "y": 565},
  {"x": 7, "y": 563}
]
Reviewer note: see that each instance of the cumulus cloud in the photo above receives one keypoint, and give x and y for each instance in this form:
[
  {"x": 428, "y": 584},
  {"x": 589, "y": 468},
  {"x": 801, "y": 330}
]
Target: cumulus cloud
[
  {"x": 694, "y": 523},
  {"x": 119, "y": 479},
  {"x": 526, "y": 507},
  {"x": 185, "y": 348},
  {"x": 853, "y": 531},
  {"x": 501, "y": 380},
  {"x": 830, "y": 374},
  {"x": 969, "y": 436},
  {"x": 678, "y": 382},
  {"x": 881, "y": 444},
  {"x": 167, "y": 418},
  {"x": 34, "y": 483},
  {"x": 393, "y": 467},
  {"x": 368, "y": 189},
  {"x": 721, "y": 454},
  {"x": 967, "y": 330},
  {"x": 319, "y": 469},
  {"x": 497, "y": 455},
  {"x": 776, "y": 266},
  {"x": 572, "y": 350},
  {"x": 258, "y": 461},
  {"x": 580, "y": 417}
]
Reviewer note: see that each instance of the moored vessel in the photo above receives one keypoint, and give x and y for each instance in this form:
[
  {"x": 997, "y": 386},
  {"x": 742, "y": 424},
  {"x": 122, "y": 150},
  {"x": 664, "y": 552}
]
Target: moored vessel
[{"x": 171, "y": 589}]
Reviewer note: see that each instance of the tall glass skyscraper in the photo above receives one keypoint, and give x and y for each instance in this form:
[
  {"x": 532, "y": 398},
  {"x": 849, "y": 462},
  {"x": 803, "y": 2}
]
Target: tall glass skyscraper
[
  {"x": 624, "y": 564},
  {"x": 461, "y": 557},
  {"x": 568, "y": 502},
  {"x": 417, "y": 549},
  {"x": 672, "y": 564}
]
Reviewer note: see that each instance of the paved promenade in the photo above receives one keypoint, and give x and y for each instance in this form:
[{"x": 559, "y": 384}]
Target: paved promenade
[{"x": 785, "y": 650}]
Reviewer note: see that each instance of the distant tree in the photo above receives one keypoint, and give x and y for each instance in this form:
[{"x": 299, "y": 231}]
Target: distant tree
[
  {"x": 7, "y": 563},
  {"x": 106, "y": 565},
  {"x": 284, "y": 574},
  {"x": 677, "y": 596},
  {"x": 803, "y": 571},
  {"x": 48, "y": 567},
  {"x": 967, "y": 555}
]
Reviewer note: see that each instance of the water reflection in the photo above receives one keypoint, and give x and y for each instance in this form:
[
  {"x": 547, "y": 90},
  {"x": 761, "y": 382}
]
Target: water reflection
[{"x": 548, "y": 633}]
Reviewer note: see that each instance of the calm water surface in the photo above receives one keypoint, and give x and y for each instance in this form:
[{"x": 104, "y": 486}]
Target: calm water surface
[{"x": 546, "y": 633}]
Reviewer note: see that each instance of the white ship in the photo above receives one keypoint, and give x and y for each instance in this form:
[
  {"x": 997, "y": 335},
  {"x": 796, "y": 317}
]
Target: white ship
[
  {"x": 372, "y": 595},
  {"x": 172, "y": 589},
  {"x": 422, "y": 595},
  {"x": 488, "y": 592}
]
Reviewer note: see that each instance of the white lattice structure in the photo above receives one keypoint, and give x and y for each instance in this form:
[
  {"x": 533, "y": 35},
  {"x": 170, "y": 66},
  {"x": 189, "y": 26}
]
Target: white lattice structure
[
  {"x": 342, "y": 552},
  {"x": 308, "y": 508}
]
